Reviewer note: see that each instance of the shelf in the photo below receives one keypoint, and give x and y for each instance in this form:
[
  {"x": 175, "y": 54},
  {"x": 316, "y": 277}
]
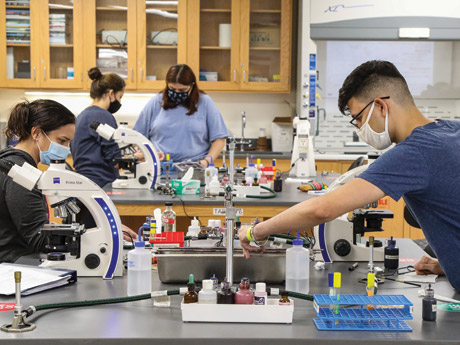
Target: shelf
[
  {"x": 61, "y": 45},
  {"x": 169, "y": 9},
  {"x": 264, "y": 48},
  {"x": 60, "y": 8},
  {"x": 111, "y": 9},
  {"x": 215, "y": 48},
  {"x": 14, "y": 7},
  {"x": 154, "y": 46},
  {"x": 266, "y": 11},
  {"x": 111, "y": 46},
  {"x": 18, "y": 44},
  {"x": 212, "y": 10}
]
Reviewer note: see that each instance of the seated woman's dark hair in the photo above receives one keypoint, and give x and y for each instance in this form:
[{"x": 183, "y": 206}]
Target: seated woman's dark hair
[
  {"x": 104, "y": 82},
  {"x": 45, "y": 114}
]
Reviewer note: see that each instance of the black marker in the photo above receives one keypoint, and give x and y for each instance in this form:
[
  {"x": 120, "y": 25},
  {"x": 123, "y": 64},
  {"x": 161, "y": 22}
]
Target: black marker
[{"x": 352, "y": 267}]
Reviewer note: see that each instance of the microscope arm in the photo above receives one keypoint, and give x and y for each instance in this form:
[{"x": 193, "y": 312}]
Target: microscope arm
[{"x": 346, "y": 177}]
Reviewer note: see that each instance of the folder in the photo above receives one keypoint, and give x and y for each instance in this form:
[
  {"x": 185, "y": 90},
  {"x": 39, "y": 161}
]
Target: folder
[{"x": 33, "y": 278}]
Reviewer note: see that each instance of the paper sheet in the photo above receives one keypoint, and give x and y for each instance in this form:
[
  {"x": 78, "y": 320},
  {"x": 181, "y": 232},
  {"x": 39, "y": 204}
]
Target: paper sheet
[
  {"x": 30, "y": 278},
  {"x": 415, "y": 278}
]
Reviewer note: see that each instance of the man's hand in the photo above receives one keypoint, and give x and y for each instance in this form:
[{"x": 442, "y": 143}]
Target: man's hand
[
  {"x": 126, "y": 237},
  {"x": 245, "y": 244},
  {"x": 428, "y": 265}
]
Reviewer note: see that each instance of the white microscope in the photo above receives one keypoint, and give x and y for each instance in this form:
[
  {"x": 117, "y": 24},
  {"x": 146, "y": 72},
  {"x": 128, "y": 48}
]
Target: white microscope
[
  {"x": 142, "y": 175},
  {"x": 341, "y": 239},
  {"x": 303, "y": 159},
  {"x": 91, "y": 252}
]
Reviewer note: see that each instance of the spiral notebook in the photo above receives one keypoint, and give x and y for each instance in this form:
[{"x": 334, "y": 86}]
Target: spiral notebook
[{"x": 33, "y": 278}]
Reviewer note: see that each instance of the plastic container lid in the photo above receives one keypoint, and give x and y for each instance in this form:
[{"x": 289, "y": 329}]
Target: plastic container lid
[
  {"x": 207, "y": 284},
  {"x": 139, "y": 244},
  {"x": 168, "y": 203},
  {"x": 330, "y": 277},
  {"x": 211, "y": 164},
  {"x": 261, "y": 287},
  {"x": 391, "y": 242},
  {"x": 297, "y": 241}
]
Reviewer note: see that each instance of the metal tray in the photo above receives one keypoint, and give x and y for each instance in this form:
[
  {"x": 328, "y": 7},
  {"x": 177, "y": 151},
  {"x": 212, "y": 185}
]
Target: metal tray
[{"x": 175, "y": 265}]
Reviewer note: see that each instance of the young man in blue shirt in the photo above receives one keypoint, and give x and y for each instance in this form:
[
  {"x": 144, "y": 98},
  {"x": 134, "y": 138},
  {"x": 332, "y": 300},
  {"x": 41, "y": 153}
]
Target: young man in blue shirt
[{"x": 423, "y": 168}]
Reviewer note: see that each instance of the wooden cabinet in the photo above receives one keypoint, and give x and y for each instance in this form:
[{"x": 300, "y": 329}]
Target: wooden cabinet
[
  {"x": 254, "y": 55},
  {"x": 110, "y": 35},
  {"x": 41, "y": 44},
  {"x": 54, "y": 44},
  {"x": 161, "y": 42}
]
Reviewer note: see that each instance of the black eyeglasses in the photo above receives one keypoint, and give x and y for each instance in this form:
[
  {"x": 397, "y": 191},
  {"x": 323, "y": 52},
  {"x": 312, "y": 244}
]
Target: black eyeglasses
[{"x": 357, "y": 116}]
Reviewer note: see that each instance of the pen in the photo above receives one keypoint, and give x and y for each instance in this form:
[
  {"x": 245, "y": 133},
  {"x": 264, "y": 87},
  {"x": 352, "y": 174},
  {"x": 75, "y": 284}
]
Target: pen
[
  {"x": 352, "y": 267},
  {"x": 402, "y": 281}
]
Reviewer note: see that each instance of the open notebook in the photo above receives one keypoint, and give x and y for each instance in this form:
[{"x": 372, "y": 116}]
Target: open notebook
[{"x": 33, "y": 278}]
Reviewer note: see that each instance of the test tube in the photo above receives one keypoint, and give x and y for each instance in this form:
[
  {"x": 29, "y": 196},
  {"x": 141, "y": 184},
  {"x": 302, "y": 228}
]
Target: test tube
[
  {"x": 331, "y": 289},
  {"x": 370, "y": 288},
  {"x": 337, "y": 284},
  {"x": 371, "y": 254}
]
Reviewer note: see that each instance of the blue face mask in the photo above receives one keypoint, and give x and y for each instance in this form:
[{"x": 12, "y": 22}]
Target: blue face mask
[
  {"x": 55, "y": 151},
  {"x": 177, "y": 97}
]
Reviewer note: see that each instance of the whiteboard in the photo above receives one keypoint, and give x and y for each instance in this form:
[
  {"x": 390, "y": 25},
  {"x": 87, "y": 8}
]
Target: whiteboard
[{"x": 415, "y": 61}]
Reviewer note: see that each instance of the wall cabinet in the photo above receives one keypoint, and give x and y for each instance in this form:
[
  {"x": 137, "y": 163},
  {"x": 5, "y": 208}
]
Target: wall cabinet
[
  {"x": 41, "y": 44},
  {"x": 244, "y": 45},
  {"x": 239, "y": 45}
]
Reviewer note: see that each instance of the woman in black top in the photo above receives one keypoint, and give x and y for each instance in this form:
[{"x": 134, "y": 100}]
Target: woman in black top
[{"x": 44, "y": 129}]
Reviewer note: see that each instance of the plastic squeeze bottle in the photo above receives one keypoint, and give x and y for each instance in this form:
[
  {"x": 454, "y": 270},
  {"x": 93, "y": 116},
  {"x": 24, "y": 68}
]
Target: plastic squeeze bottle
[{"x": 297, "y": 267}]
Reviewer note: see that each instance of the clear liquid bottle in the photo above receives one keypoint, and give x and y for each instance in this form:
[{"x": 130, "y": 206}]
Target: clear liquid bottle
[
  {"x": 260, "y": 296},
  {"x": 245, "y": 295},
  {"x": 297, "y": 267},
  {"x": 139, "y": 270},
  {"x": 168, "y": 219},
  {"x": 207, "y": 295},
  {"x": 210, "y": 172}
]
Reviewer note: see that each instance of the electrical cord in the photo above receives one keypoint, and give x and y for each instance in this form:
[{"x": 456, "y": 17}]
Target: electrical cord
[
  {"x": 131, "y": 237},
  {"x": 158, "y": 33},
  {"x": 175, "y": 196},
  {"x": 271, "y": 196}
]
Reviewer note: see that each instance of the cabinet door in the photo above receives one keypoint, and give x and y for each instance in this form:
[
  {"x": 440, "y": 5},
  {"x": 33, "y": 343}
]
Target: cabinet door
[
  {"x": 161, "y": 41},
  {"x": 213, "y": 38},
  {"x": 109, "y": 36},
  {"x": 61, "y": 44},
  {"x": 19, "y": 44},
  {"x": 266, "y": 31}
]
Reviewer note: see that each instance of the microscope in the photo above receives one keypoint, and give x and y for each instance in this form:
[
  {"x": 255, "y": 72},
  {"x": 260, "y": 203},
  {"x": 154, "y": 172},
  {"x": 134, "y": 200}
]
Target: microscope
[
  {"x": 303, "y": 159},
  {"x": 340, "y": 239},
  {"x": 139, "y": 175},
  {"x": 91, "y": 252}
]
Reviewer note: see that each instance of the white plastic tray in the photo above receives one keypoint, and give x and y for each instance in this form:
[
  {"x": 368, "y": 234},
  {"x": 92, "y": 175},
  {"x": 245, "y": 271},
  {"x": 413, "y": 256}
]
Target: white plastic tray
[{"x": 246, "y": 313}]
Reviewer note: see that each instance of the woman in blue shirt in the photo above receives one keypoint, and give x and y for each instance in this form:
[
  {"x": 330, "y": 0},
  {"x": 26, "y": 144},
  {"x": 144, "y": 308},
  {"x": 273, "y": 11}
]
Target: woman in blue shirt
[
  {"x": 93, "y": 155},
  {"x": 182, "y": 120}
]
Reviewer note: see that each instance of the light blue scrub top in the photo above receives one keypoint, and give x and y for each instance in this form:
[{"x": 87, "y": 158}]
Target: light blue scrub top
[{"x": 184, "y": 137}]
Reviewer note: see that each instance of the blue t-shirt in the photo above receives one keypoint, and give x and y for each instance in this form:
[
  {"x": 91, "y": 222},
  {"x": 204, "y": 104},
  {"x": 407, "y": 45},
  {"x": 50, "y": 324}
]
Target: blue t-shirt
[
  {"x": 425, "y": 170},
  {"x": 184, "y": 137},
  {"x": 93, "y": 155}
]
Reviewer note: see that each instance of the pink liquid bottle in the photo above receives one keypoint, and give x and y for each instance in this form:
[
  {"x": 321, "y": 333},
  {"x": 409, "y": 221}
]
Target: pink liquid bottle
[{"x": 245, "y": 295}]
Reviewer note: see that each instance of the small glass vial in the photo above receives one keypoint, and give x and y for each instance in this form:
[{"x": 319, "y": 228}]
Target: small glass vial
[
  {"x": 284, "y": 300},
  {"x": 168, "y": 219},
  {"x": 225, "y": 294},
  {"x": 260, "y": 296},
  {"x": 207, "y": 295},
  {"x": 191, "y": 296},
  {"x": 245, "y": 295},
  {"x": 429, "y": 305},
  {"x": 278, "y": 182}
]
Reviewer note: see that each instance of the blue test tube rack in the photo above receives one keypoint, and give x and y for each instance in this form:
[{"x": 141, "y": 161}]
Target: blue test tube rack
[{"x": 389, "y": 313}]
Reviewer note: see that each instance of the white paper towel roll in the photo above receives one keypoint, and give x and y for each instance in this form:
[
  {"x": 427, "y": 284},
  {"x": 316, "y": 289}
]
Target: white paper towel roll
[{"x": 225, "y": 35}]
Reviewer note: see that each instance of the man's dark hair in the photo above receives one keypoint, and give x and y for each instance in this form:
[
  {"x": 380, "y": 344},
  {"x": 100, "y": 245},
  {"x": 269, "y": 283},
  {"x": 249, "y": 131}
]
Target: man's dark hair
[{"x": 374, "y": 79}]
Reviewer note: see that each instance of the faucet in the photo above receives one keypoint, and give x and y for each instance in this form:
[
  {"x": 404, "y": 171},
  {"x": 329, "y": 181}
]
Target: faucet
[{"x": 242, "y": 142}]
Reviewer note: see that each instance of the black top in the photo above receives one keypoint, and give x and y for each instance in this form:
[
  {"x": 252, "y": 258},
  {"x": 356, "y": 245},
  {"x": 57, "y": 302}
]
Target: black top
[
  {"x": 93, "y": 156},
  {"x": 22, "y": 213}
]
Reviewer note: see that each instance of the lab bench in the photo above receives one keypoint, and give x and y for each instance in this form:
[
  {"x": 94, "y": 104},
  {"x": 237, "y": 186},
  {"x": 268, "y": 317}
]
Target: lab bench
[{"x": 141, "y": 323}]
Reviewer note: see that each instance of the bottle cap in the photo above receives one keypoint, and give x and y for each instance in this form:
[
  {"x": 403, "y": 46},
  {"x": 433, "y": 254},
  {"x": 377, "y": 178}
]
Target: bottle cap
[
  {"x": 260, "y": 287},
  {"x": 283, "y": 293},
  {"x": 191, "y": 278},
  {"x": 194, "y": 222},
  {"x": 168, "y": 203},
  {"x": 330, "y": 277},
  {"x": 337, "y": 279},
  {"x": 211, "y": 164},
  {"x": 297, "y": 241},
  {"x": 391, "y": 242},
  {"x": 139, "y": 243},
  {"x": 207, "y": 284},
  {"x": 371, "y": 280}
]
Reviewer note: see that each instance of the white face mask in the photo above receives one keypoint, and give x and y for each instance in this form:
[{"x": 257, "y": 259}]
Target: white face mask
[{"x": 379, "y": 141}]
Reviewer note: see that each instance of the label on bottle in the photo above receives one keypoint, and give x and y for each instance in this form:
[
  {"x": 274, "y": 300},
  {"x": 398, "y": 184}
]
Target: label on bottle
[
  {"x": 259, "y": 300},
  {"x": 434, "y": 308},
  {"x": 168, "y": 220},
  {"x": 391, "y": 257}
]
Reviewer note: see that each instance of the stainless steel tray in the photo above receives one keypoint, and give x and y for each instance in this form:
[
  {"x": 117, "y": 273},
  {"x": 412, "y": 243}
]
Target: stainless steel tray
[{"x": 175, "y": 265}]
